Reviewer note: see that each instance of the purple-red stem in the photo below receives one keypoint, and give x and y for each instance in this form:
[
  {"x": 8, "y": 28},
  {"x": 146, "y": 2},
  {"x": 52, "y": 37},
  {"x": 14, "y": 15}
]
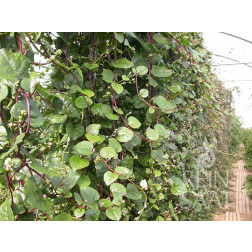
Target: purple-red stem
[
  {"x": 1, "y": 115},
  {"x": 9, "y": 186},
  {"x": 20, "y": 43},
  {"x": 37, "y": 215},
  {"x": 149, "y": 96},
  {"x": 47, "y": 216},
  {"x": 16, "y": 95},
  {"x": 101, "y": 189}
]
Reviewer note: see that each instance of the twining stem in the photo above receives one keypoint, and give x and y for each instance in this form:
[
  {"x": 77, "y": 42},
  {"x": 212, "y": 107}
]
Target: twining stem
[
  {"x": 20, "y": 43},
  {"x": 2, "y": 110},
  {"x": 101, "y": 189},
  {"x": 37, "y": 215},
  {"x": 47, "y": 216}
]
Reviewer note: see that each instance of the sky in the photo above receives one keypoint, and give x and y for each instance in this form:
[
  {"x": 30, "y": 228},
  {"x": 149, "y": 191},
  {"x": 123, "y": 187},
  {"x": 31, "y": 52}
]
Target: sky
[{"x": 231, "y": 75}]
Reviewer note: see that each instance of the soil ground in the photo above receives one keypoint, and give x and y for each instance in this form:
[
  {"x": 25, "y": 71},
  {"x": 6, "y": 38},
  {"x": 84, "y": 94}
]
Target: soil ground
[{"x": 240, "y": 208}]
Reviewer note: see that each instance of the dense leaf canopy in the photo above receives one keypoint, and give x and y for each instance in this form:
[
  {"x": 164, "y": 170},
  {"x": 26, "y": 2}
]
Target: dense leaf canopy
[{"x": 108, "y": 126}]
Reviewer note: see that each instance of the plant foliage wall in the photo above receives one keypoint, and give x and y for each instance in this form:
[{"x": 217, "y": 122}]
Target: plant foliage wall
[{"x": 109, "y": 126}]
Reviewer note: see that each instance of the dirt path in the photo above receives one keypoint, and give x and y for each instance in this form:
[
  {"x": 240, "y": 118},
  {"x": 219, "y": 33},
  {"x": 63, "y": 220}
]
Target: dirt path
[{"x": 240, "y": 207}]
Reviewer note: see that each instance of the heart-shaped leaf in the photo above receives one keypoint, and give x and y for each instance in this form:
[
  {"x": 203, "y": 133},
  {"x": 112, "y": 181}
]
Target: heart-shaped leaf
[{"x": 110, "y": 177}]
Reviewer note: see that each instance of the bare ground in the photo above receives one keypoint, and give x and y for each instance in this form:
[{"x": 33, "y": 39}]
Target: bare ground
[{"x": 240, "y": 208}]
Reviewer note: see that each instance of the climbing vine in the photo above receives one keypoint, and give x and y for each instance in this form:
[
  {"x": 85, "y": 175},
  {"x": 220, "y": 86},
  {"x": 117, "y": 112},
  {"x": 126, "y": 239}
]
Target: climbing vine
[{"x": 109, "y": 126}]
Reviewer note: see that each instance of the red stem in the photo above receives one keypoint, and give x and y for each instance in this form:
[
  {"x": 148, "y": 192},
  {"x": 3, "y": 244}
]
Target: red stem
[
  {"x": 37, "y": 215},
  {"x": 9, "y": 186},
  {"x": 47, "y": 216},
  {"x": 16, "y": 95},
  {"x": 101, "y": 189},
  {"x": 20, "y": 43},
  {"x": 1, "y": 115}
]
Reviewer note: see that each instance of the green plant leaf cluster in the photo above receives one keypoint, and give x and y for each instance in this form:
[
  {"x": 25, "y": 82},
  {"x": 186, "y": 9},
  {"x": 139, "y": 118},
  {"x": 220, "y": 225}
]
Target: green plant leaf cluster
[{"x": 110, "y": 129}]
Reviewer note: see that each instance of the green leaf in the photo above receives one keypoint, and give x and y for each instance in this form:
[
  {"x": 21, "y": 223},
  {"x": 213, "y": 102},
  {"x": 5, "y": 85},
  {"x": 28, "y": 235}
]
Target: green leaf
[
  {"x": 78, "y": 198},
  {"x": 163, "y": 103},
  {"x": 81, "y": 103},
  {"x": 161, "y": 39},
  {"x": 152, "y": 82},
  {"x": 38, "y": 166},
  {"x": 178, "y": 187},
  {"x": 159, "y": 218},
  {"x": 92, "y": 214},
  {"x": 78, "y": 163},
  {"x": 13, "y": 66},
  {"x": 110, "y": 177},
  {"x": 122, "y": 63},
  {"x": 84, "y": 148},
  {"x": 133, "y": 122},
  {"x": 105, "y": 203},
  {"x": 18, "y": 202},
  {"x": 179, "y": 139},
  {"x": 118, "y": 190},
  {"x": 74, "y": 130},
  {"x": 105, "y": 109},
  {"x": 175, "y": 87},
  {"x": 79, "y": 212},
  {"x": 144, "y": 93},
  {"x": 124, "y": 171},
  {"x": 117, "y": 87},
  {"x": 57, "y": 118},
  {"x": 63, "y": 217},
  {"x": 133, "y": 193},
  {"x": 163, "y": 132},
  {"x": 108, "y": 75},
  {"x": 114, "y": 213},
  {"x": 151, "y": 110},
  {"x": 93, "y": 129},
  {"x": 35, "y": 196},
  {"x": 89, "y": 194},
  {"x": 6, "y": 213},
  {"x": 124, "y": 134},
  {"x": 152, "y": 134},
  {"x": 29, "y": 84},
  {"x": 112, "y": 116},
  {"x": 16, "y": 109},
  {"x": 90, "y": 66},
  {"x": 84, "y": 181},
  {"x": 92, "y": 139},
  {"x": 142, "y": 70},
  {"x": 115, "y": 144},
  {"x": 157, "y": 155},
  {"x": 3, "y": 131},
  {"x": 108, "y": 152},
  {"x": 70, "y": 80},
  {"x": 125, "y": 78},
  {"x": 36, "y": 117},
  {"x": 161, "y": 71},
  {"x": 3, "y": 91},
  {"x": 119, "y": 37},
  {"x": 86, "y": 92},
  {"x": 18, "y": 140},
  {"x": 118, "y": 110}
]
